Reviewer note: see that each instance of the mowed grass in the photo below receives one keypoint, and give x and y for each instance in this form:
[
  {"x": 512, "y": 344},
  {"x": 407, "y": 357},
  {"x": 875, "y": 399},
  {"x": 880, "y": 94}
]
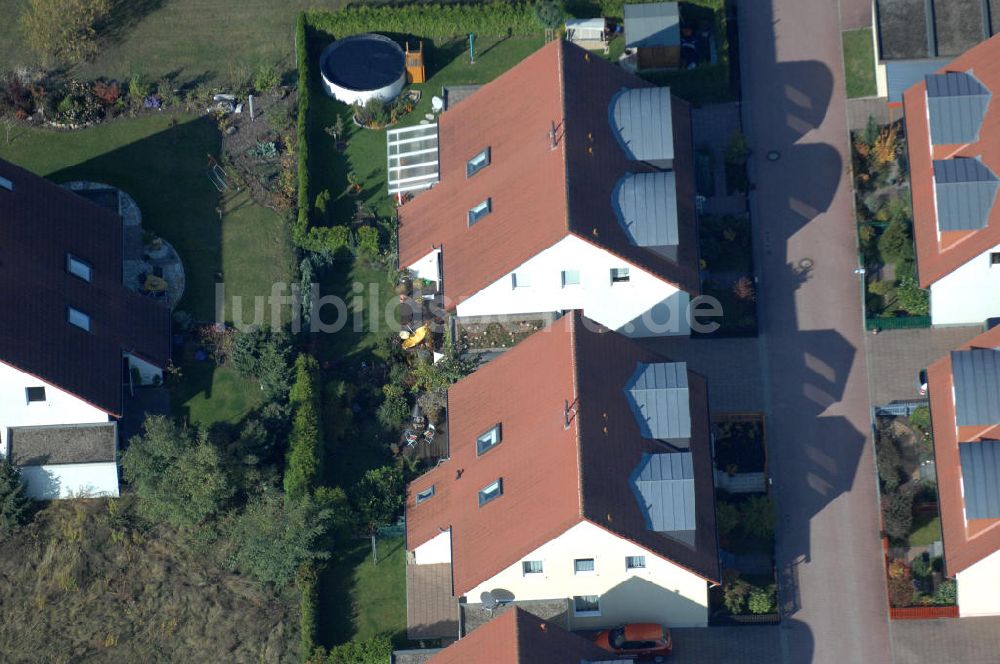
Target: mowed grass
[
  {"x": 360, "y": 599},
  {"x": 859, "y": 62},
  {"x": 928, "y": 531},
  {"x": 190, "y": 39}
]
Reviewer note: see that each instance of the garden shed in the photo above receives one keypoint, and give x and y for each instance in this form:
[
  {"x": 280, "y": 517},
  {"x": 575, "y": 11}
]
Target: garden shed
[
  {"x": 589, "y": 33},
  {"x": 654, "y": 31}
]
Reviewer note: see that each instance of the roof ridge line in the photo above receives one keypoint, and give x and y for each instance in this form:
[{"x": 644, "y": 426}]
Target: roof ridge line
[
  {"x": 577, "y": 320},
  {"x": 561, "y": 68}
]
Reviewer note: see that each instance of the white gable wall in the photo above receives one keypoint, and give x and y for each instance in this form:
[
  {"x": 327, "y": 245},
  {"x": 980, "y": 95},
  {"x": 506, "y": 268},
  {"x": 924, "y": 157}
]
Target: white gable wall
[
  {"x": 619, "y": 306},
  {"x": 969, "y": 295},
  {"x": 59, "y": 407},
  {"x": 434, "y": 551},
  {"x": 662, "y": 592},
  {"x": 979, "y": 588}
]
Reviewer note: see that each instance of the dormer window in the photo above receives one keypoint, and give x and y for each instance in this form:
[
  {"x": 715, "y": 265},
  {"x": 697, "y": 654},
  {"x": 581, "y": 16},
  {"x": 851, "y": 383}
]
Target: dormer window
[
  {"x": 79, "y": 268},
  {"x": 480, "y": 211},
  {"x": 491, "y": 491},
  {"x": 78, "y": 318},
  {"x": 477, "y": 163},
  {"x": 488, "y": 440}
]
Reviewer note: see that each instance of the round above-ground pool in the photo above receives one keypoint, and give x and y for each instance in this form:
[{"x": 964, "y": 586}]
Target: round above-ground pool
[{"x": 361, "y": 67}]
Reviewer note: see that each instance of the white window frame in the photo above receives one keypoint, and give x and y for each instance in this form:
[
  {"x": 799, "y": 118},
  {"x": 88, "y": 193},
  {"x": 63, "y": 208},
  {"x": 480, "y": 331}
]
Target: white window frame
[
  {"x": 478, "y": 162},
  {"x": 27, "y": 394},
  {"x": 79, "y": 268},
  {"x": 494, "y": 434},
  {"x": 480, "y": 210},
  {"x": 623, "y": 275},
  {"x": 523, "y": 282},
  {"x": 566, "y": 282},
  {"x": 425, "y": 495},
  {"x": 588, "y": 613},
  {"x": 532, "y": 573},
  {"x": 630, "y": 568},
  {"x": 585, "y": 571},
  {"x": 77, "y": 318},
  {"x": 495, "y": 487}
]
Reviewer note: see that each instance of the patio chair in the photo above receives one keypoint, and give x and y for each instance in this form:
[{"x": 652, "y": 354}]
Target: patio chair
[
  {"x": 429, "y": 433},
  {"x": 410, "y": 437}
]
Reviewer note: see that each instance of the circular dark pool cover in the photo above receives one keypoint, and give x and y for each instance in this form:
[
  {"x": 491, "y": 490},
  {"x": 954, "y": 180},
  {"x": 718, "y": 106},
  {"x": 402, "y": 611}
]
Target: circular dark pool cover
[{"x": 362, "y": 62}]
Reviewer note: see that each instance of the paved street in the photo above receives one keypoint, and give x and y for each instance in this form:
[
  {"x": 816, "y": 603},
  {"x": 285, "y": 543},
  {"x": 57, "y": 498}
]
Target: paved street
[
  {"x": 957, "y": 641},
  {"x": 812, "y": 349}
]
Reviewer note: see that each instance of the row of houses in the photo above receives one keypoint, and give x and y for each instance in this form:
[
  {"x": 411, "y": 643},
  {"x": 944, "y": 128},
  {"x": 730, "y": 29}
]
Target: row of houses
[
  {"x": 578, "y": 484},
  {"x": 73, "y": 337}
]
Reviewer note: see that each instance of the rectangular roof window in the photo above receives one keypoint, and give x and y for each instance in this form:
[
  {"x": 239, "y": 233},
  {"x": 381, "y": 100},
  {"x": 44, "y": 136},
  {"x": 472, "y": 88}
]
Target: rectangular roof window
[
  {"x": 78, "y": 318},
  {"x": 488, "y": 440},
  {"x": 79, "y": 268},
  {"x": 6, "y": 184},
  {"x": 480, "y": 211},
  {"x": 477, "y": 163},
  {"x": 426, "y": 494},
  {"x": 490, "y": 492}
]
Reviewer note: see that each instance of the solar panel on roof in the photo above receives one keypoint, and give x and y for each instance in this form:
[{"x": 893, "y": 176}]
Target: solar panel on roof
[
  {"x": 664, "y": 486},
  {"x": 956, "y": 104},
  {"x": 659, "y": 398},
  {"x": 976, "y": 376},
  {"x": 964, "y": 191},
  {"x": 981, "y": 478}
]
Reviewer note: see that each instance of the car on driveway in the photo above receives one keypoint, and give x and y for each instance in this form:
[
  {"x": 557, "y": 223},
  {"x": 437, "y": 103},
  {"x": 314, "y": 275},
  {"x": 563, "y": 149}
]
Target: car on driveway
[{"x": 637, "y": 639}]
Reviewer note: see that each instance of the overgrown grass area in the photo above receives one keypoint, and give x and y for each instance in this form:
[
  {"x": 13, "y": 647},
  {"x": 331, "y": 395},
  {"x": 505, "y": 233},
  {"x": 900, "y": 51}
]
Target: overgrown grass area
[
  {"x": 447, "y": 63},
  {"x": 859, "y": 62},
  {"x": 360, "y": 599},
  {"x": 90, "y": 590}
]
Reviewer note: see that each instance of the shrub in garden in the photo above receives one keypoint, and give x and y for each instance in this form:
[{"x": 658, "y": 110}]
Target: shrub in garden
[
  {"x": 901, "y": 590},
  {"x": 897, "y": 513},
  {"x": 887, "y": 459},
  {"x": 265, "y": 77},
  {"x": 897, "y": 241},
  {"x": 757, "y": 516},
  {"x": 494, "y": 19},
  {"x": 549, "y": 14},
  {"x": 15, "y": 506},
  {"x": 735, "y": 594},
  {"x": 368, "y": 241},
  {"x": 912, "y": 298},
  {"x": 762, "y": 600},
  {"x": 264, "y": 355},
  {"x": 375, "y": 650},
  {"x": 305, "y": 446},
  {"x": 395, "y": 407},
  {"x": 322, "y": 202},
  {"x": 946, "y": 593},
  {"x": 727, "y": 517}
]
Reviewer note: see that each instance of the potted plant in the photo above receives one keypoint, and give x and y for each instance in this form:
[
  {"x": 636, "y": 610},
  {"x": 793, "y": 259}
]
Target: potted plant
[{"x": 354, "y": 187}]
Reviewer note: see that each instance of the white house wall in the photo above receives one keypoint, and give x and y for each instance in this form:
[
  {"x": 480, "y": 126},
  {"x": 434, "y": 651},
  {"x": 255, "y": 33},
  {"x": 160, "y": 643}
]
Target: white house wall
[
  {"x": 59, "y": 407},
  {"x": 662, "y": 592},
  {"x": 644, "y": 306},
  {"x": 427, "y": 267},
  {"x": 969, "y": 295},
  {"x": 434, "y": 551},
  {"x": 71, "y": 480},
  {"x": 979, "y": 588}
]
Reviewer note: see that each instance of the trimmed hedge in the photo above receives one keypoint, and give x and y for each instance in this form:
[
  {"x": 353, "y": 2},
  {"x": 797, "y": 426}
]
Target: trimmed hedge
[
  {"x": 307, "y": 582},
  {"x": 305, "y": 451},
  {"x": 430, "y": 21}
]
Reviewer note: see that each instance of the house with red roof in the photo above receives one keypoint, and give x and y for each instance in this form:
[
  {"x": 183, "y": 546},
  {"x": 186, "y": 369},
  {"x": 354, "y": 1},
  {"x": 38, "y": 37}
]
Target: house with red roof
[
  {"x": 953, "y": 136},
  {"x": 566, "y": 183},
  {"x": 964, "y": 391},
  {"x": 71, "y": 336},
  {"x": 580, "y": 475}
]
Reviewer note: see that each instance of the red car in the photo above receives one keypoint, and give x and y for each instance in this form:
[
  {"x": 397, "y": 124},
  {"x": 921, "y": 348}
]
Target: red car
[{"x": 636, "y": 639}]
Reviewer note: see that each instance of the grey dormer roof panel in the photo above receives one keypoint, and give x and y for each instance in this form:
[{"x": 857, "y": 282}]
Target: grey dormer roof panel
[
  {"x": 976, "y": 375},
  {"x": 646, "y": 206},
  {"x": 664, "y": 486},
  {"x": 964, "y": 190},
  {"x": 643, "y": 125},
  {"x": 652, "y": 24},
  {"x": 981, "y": 478},
  {"x": 956, "y": 104},
  {"x": 901, "y": 75},
  {"x": 659, "y": 398}
]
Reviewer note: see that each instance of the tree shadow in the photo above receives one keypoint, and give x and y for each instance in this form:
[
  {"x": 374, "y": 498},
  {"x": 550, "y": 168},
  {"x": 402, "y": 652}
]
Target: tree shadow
[{"x": 122, "y": 16}]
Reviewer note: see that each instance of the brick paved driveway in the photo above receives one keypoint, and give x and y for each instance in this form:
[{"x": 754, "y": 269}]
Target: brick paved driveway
[{"x": 953, "y": 641}]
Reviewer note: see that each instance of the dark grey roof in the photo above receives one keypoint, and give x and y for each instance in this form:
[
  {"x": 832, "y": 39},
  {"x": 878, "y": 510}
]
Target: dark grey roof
[
  {"x": 643, "y": 123},
  {"x": 61, "y": 444},
  {"x": 901, "y": 75},
  {"x": 981, "y": 478},
  {"x": 912, "y": 29},
  {"x": 664, "y": 486},
  {"x": 646, "y": 205},
  {"x": 964, "y": 191},
  {"x": 652, "y": 24},
  {"x": 976, "y": 374},
  {"x": 956, "y": 104},
  {"x": 659, "y": 399}
]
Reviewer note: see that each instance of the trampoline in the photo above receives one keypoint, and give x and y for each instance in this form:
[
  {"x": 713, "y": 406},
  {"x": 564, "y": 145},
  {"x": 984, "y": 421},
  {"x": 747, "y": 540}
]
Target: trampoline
[{"x": 362, "y": 67}]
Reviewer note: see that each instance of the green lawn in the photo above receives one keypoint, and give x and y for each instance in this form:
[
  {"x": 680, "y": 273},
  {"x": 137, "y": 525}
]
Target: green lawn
[
  {"x": 927, "y": 531},
  {"x": 189, "y": 39},
  {"x": 359, "y": 599},
  {"x": 859, "y": 62}
]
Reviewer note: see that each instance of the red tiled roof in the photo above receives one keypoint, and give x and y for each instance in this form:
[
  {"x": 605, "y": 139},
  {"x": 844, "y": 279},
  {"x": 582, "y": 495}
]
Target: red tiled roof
[
  {"x": 518, "y": 637},
  {"x": 577, "y": 473},
  {"x": 964, "y": 543},
  {"x": 539, "y": 194},
  {"x": 40, "y": 222},
  {"x": 937, "y": 257}
]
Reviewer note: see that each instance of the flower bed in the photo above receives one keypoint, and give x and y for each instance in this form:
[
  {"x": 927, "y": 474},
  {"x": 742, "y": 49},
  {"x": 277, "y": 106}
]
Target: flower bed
[{"x": 497, "y": 335}]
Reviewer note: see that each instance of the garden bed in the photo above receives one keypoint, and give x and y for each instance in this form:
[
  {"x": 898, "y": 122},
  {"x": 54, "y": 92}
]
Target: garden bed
[
  {"x": 496, "y": 335},
  {"x": 727, "y": 273}
]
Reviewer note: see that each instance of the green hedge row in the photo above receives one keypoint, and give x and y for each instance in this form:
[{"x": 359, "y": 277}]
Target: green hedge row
[
  {"x": 305, "y": 448},
  {"x": 430, "y": 21},
  {"x": 307, "y": 582}
]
